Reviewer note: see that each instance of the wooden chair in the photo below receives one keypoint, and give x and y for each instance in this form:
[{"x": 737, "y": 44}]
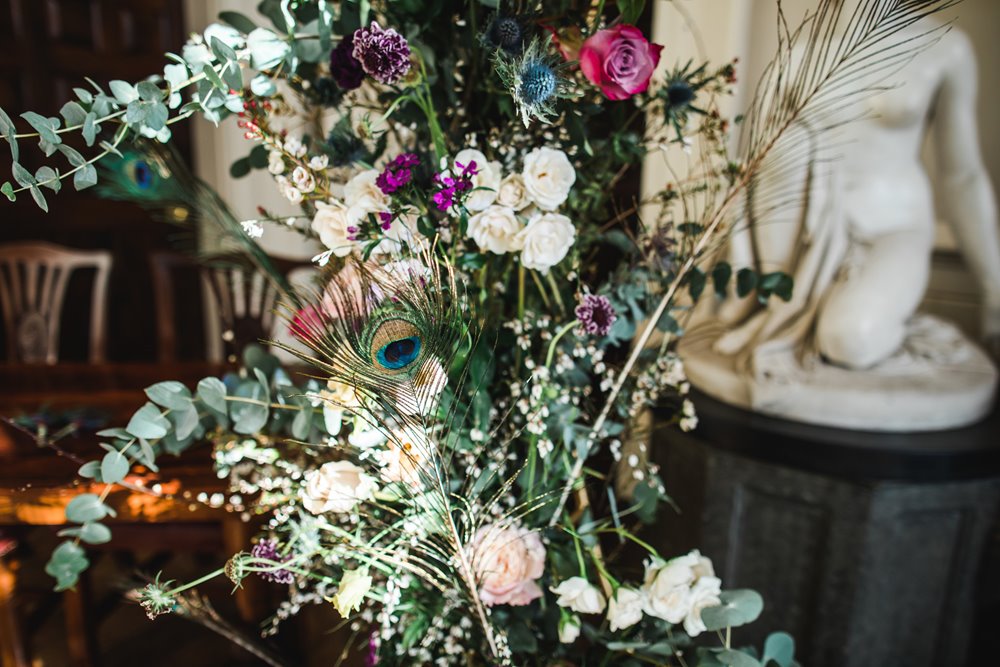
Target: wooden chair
[
  {"x": 33, "y": 281},
  {"x": 244, "y": 302}
]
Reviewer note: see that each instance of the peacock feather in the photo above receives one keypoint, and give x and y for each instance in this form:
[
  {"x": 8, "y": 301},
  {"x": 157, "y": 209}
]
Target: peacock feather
[{"x": 155, "y": 177}]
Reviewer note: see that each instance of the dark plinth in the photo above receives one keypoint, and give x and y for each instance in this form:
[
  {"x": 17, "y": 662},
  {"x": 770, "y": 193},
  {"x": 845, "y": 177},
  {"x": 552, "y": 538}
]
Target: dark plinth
[{"x": 867, "y": 547}]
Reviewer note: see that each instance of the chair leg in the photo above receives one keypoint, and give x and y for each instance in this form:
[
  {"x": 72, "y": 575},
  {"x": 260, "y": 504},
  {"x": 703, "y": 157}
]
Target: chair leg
[
  {"x": 13, "y": 652},
  {"x": 81, "y": 638}
]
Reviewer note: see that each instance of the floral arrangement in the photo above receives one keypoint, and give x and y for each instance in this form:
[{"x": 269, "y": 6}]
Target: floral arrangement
[{"x": 490, "y": 315}]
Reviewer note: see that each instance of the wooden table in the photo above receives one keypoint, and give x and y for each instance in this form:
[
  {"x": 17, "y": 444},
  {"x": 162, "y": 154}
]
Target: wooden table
[{"x": 37, "y": 483}]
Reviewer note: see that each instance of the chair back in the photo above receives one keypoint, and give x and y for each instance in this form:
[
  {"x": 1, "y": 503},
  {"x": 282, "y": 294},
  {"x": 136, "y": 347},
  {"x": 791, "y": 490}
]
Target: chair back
[
  {"x": 243, "y": 302},
  {"x": 33, "y": 280}
]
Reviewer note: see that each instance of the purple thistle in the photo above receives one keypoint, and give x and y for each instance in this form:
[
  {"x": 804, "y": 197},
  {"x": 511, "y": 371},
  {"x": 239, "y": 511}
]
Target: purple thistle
[
  {"x": 596, "y": 314},
  {"x": 268, "y": 550},
  {"x": 383, "y": 54},
  {"x": 344, "y": 67}
]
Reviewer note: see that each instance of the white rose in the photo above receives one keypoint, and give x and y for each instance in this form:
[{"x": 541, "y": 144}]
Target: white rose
[
  {"x": 548, "y": 177},
  {"x": 331, "y": 224},
  {"x": 545, "y": 241},
  {"x": 496, "y": 230},
  {"x": 704, "y": 594},
  {"x": 579, "y": 595},
  {"x": 275, "y": 163},
  {"x": 337, "y": 487},
  {"x": 569, "y": 629},
  {"x": 363, "y": 185},
  {"x": 354, "y": 585},
  {"x": 667, "y": 586},
  {"x": 625, "y": 608},
  {"x": 513, "y": 193},
  {"x": 303, "y": 179},
  {"x": 488, "y": 177},
  {"x": 703, "y": 566}
]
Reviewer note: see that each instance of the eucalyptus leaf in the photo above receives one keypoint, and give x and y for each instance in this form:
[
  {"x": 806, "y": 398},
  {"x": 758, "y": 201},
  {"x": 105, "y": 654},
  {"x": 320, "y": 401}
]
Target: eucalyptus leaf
[
  {"x": 87, "y": 507},
  {"x": 779, "y": 647},
  {"x": 169, "y": 394},
  {"x": 212, "y": 391},
  {"x": 22, "y": 175},
  {"x": 73, "y": 113},
  {"x": 48, "y": 177},
  {"x": 90, "y": 470},
  {"x": 8, "y": 190},
  {"x": 95, "y": 533},
  {"x": 84, "y": 95},
  {"x": 9, "y": 132},
  {"x": 85, "y": 177},
  {"x": 263, "y": 86},
  {"x": 114, "y": 467},
  {"x": 46, "y": 127},
  {"x": 738, "y": 607},
  {"x": 124, "y": 92},
  {"x": 67, "y": 562},
  {"x": 267, "y": 49},
  {"x": 239, "y": 21},
  {"x": 148, "y": 423},
  {"x": 36, "y": 194},
  {"x": 737, "y": 659},
  {"x": 72, "y": 155},
  {"x": 746, "y": 281},
  {"x": 90, "y": 128}
]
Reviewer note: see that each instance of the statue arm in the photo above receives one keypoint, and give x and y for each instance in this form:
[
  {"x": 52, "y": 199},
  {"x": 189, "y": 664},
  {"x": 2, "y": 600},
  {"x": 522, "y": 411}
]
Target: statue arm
[{"x": 967, "y": 196}]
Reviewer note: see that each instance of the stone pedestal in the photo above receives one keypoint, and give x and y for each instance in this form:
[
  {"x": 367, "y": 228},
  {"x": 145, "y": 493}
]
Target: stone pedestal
[{"x": 867, "y": 547}]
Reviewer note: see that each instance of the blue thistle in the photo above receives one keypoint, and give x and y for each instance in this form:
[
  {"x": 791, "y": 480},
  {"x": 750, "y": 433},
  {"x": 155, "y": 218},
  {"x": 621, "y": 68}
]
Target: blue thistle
[
  {"x": 505, "y": 33},
  {"x": 535, "y": 80},
  {"x": 538, "y": 83}
]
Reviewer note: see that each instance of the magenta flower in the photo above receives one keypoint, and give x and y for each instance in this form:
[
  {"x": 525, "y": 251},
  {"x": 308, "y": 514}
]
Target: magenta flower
[
  {"x": 383, "y": 54},
  {"x": 397, "y": 173},
  {"x": 344, "y": 67},
  {"x": 453, "y": 186},
  {"x": 596, "y": 314},
  {"x": 619, "y": 60}
]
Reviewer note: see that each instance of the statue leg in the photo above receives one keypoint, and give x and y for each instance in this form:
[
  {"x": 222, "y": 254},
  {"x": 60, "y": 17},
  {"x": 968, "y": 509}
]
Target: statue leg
[{"x": 863, "y": 319}]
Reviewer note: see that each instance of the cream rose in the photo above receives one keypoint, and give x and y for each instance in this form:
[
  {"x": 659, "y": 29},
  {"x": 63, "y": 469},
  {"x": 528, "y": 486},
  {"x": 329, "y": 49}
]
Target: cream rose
[
  {"x": 354, "y": 585},
  {"x": 487, "y": 177},
  {"x": 330, "y": 224},
  {"x": 337, "y": 486},
  {"x": 704, "y": 594},
  {"x": 513, "y": 193},
  {"x": 668, "y": 587},
  {"x": 496, "y": 230},
  {"x": 548, "y": 177},
  {"x": 579, "y": 595},
  {"x": 625, "y": 608},
  {"x": 546, "y": 240},
  {"x": 363, "y": 185},
  {"x": 507, "y": 561}
]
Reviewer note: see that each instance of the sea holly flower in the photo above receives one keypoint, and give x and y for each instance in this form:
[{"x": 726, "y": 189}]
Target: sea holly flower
[
  {"x": 383, "y": 53},
  {"x": 619, "y": 60},
  {"x": 505, "y": 32},
  {"x": 596, "y": 314},
  {"x": 535, "y": 80}
]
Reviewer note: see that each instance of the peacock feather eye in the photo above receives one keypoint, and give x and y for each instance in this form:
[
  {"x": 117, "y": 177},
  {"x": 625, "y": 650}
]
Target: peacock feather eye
[
  {"x": 395, "y": 345},
  {"x": 142, "y": 174}
]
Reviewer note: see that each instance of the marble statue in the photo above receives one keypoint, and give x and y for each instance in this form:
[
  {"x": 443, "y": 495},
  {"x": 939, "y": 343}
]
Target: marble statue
[{"x": 850, "y": 350}]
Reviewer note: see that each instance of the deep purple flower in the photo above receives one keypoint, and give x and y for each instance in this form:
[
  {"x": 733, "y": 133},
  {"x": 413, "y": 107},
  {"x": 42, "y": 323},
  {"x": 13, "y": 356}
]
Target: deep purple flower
[
  {"x": 596, "y": 314},
  {"x": 397, "y": 173},
  {"x": 268, "y": 550},
  {"x": 384, "y": 54},
  {"x": 344, "y": 67},
  {"x": 386, "y": 219},
  {"x": 372, "y": 658}
]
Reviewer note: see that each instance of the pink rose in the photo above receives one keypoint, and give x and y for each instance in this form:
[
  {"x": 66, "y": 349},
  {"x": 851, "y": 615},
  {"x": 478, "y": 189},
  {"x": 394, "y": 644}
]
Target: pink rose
[
  {"x": 619, "y": 60},
  {"x": 507, "y": 561}
]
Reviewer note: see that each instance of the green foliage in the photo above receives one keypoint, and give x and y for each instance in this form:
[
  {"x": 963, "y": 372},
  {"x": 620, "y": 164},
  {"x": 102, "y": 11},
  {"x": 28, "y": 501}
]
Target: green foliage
[
  {"x": 67, "y": 562},
  {"x": 738, "y": 607}
]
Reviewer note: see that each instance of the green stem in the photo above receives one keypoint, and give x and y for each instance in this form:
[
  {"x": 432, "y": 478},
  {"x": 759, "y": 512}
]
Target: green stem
[
  {"x": 555, "y": 340},
  {"x": 196, "y": 582}
]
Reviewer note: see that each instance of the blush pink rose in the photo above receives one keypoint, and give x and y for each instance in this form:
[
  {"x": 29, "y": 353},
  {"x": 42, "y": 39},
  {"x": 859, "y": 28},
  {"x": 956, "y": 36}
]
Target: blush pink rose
[
  {"x": 507, "y": 561},
  {"x": 619, "y": 60}
]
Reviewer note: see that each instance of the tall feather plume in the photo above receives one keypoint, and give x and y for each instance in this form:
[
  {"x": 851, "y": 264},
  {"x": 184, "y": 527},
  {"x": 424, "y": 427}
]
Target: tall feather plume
[
  {"x": 832, "y": 59},
  {"x": 155, "y": 177},
  {"x": 401, "y": 337}
]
